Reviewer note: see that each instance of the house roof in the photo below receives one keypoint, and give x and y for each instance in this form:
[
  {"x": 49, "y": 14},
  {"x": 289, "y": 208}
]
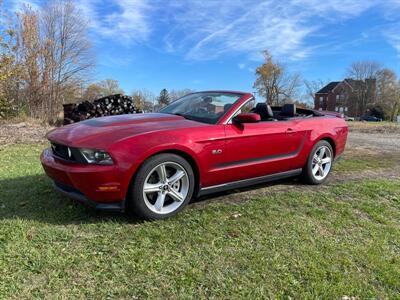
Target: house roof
[{"x": 328, "y": 88}]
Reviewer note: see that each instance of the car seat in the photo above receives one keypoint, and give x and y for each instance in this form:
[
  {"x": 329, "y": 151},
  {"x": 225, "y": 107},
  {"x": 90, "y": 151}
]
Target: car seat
[
  {"x": 288, "y": 111},
  {"x": 265, "y": 111}
]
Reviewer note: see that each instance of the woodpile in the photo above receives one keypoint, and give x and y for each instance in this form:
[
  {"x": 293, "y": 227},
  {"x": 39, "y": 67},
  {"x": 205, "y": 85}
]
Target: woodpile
[{"x": 107, "y": 106}]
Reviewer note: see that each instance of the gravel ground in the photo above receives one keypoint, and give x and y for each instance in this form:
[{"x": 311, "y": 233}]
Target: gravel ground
[
  {"x": 22, "y": 133},
  {"x": 376, "y": 141}
]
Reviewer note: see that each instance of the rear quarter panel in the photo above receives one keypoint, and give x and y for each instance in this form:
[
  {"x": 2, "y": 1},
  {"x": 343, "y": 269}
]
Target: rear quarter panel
[{"x": 330, "y": 128}]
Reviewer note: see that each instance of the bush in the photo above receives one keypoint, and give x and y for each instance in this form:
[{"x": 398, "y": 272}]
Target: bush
[
  {"x": 7, "y": 110},
  {"x": 377, "y": 111}
]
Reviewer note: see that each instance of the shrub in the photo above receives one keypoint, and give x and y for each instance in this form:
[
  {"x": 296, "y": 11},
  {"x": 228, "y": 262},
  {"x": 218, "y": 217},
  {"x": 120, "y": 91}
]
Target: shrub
[{"x": 7, "y": 110}]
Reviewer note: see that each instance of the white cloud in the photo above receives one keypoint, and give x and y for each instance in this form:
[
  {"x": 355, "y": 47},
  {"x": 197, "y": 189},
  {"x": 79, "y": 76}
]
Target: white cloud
[
  {"x": 119, "y": 20},
  {"x": 337, "y": 8},
  {"x": 211, "y": 29},
  {"x": 393, "y": 37},
  {"x": 122, "y": 20}
]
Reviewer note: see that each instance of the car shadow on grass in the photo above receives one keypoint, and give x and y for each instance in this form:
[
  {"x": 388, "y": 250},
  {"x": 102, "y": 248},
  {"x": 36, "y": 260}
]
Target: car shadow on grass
[
  {"x": 252, "y": 191},
  {"x": 33, "y": 198}
]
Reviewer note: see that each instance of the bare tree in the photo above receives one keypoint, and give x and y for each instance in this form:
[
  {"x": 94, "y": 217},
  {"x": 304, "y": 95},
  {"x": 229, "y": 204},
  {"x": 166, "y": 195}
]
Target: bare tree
[
  {"x": 365, "y": 69},
  {"x": 364, "y": 75},
  {"x": 274, "y": 83},
  {"x": 92, "y": 92},
  {"x": 144, "y": 99},
  {"x": 311, "y": 87},
  {"x": 67, "y": 51},
  {"x": 56, "y": 55},
  {"x": 176, "y": 94},
  {"x": 388, "y": 91},
  {"x": 110, "y": 87}
]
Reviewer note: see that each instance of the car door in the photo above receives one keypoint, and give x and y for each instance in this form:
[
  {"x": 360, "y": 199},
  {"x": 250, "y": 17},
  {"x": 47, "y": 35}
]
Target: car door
[{"x": 257, "y": 149}]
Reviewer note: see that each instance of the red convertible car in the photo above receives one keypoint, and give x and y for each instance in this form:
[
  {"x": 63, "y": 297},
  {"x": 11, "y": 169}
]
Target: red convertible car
[{"x": 152, "y": 164}]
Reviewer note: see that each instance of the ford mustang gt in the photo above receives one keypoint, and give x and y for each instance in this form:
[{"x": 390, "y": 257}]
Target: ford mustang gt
[{"x": 153, "y": 164}]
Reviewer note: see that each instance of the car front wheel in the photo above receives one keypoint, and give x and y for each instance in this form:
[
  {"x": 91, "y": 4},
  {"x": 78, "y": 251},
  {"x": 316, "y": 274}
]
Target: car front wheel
[
  {"x": 319, "y": 163},
  {"x": 162, "y": 187}
]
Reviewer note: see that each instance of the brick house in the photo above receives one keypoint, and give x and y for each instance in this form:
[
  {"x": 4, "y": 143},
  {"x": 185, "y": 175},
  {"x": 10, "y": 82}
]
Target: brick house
[{"x": 348, "y": 97}]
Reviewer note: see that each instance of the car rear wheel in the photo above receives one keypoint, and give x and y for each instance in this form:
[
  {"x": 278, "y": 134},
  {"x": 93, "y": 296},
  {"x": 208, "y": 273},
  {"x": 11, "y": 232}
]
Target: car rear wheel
[
  {"x": 319, "y": 163},
  {"x": 162, "y": 187}
]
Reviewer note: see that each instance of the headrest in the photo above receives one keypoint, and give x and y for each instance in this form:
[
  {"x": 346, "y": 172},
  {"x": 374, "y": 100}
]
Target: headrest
[
  {"x": 289, "y": 110},
  {"x": 270, "y": 112},
  {"x": 264, "y": 110}
]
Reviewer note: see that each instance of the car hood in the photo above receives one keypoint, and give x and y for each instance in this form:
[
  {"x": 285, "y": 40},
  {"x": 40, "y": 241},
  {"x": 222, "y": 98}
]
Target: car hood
[{"x": 104, "y": 131}]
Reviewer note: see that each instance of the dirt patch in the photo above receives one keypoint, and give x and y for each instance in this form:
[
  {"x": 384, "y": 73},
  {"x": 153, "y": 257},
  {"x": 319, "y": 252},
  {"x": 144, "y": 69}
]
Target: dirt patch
[
  {"x": 374, "y": 127},
  {"x": 294, "y": 185},
  {"x": 22, "y": 133}
]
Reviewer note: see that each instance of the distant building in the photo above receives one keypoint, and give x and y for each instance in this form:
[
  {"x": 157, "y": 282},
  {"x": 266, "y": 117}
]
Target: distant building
[{"x": 349, "y": 97}]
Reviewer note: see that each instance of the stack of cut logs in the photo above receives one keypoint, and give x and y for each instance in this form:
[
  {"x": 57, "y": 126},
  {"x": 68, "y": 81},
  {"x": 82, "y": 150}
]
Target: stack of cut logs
[{"x": 107, "y": 106}]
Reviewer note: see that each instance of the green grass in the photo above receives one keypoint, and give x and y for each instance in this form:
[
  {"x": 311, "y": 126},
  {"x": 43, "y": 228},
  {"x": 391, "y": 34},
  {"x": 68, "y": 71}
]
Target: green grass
[{"x": 342, "y": 240}]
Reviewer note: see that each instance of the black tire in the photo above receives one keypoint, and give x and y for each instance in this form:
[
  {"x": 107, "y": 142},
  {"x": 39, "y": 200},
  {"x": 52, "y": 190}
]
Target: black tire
[
  {"x": 307, "y": 175},
  {"x": 136, "y": 202}
]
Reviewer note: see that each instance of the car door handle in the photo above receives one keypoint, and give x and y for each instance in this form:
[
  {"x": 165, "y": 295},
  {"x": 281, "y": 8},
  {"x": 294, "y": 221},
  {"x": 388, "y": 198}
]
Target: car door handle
[{"x": 290, "y": 131}]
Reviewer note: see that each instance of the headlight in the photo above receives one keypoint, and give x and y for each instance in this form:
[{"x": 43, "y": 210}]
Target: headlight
[{"x": 97, "y": 157}]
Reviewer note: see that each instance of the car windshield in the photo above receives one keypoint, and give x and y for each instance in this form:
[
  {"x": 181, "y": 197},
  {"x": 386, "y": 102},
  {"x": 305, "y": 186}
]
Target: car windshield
[{"x": 202, "y": 107}]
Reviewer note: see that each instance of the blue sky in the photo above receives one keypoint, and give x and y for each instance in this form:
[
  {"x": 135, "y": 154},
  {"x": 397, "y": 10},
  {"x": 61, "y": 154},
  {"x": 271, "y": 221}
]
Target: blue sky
[{"x": 217, "y": 44}]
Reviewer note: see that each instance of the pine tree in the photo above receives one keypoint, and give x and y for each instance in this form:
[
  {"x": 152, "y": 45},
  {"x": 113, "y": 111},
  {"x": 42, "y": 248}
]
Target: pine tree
[{"x": 163, "y": 99}]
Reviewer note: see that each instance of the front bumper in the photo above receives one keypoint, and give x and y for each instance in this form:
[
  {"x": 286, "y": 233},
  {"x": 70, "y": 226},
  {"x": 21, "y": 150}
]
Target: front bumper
[{"x": 94, "y": 185}]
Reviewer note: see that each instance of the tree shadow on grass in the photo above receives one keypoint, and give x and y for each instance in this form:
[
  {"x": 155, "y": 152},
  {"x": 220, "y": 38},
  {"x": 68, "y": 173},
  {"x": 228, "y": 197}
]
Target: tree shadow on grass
[{"x": 33, "y": 198}]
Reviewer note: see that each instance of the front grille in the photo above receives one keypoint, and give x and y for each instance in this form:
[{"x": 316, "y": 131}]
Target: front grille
[
  {"x": 62, "y": 151},
  {"x": 66, "y": 153}
]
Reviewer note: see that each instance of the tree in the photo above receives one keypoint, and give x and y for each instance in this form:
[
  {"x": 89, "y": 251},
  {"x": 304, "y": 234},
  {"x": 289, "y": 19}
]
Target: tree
[
  {"x": 102, "y": 88},
  {"x": 163, "y": 99},
  {"x": 311, "y": 87},
  {"x": 138, "y": 101},
  {"x": 364, "y": 73},
  {"x": 388, "y": 93},
  {"x": 176, "y": 94},
  {"x": 110, "y": 87},
  {"x": 54, "y": 54},
  {"x": 274, "y": 83},
  {"x": 31, "y": 55},
  {"x": 364, "y": 69},
  {"x": 143, "y": 99},
  {"x": 9, "y": 69},
  {"x": 92, "y": 92}
]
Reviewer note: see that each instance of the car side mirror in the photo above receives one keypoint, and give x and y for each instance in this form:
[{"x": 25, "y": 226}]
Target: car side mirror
[{"x": 246, "y": 118}]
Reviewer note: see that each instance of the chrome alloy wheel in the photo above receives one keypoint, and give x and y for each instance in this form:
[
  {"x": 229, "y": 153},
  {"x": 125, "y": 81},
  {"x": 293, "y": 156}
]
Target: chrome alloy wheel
[
  {"x": 322, "y": 162},
  {"x": 166, "y": 187}
]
